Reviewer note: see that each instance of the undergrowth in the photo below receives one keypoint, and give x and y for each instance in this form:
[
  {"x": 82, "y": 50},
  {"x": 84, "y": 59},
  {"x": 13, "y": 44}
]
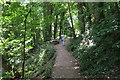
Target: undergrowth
[
  {"x": 99, "y": 50},
  {"x": 40, "y": 62}
]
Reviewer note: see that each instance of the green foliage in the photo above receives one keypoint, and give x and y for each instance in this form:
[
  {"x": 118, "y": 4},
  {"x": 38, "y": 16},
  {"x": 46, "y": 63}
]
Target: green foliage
[
  {"x": 101, "y": 59},
  {"x": 74, "y": 43},
  {"x": 12, "y": 38},
  {"x": 38, "y": 62},
  {"x": 8, "y": 75}
]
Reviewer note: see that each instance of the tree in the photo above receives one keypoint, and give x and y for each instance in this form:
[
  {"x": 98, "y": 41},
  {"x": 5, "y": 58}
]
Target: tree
[
  {"x": 47, "y": 25},
  {"x": 73, "y": 31},
  {"x": 61, "y": 24},
  {"x": 81, "y": 21},
  {"x": 55, "y": 26},
  {"x": 24, "y": 47}
]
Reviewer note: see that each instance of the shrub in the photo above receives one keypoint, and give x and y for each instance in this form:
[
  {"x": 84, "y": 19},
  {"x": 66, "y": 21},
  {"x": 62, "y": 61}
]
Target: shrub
[
  {"x": 36, "y": 64},
  {"x": 102, "y": 58}
]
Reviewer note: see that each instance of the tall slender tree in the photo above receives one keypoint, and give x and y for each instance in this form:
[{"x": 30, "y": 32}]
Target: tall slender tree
[
  {"x": 61, "y": 24},
  {"x": 72, "y": 25},
  {"x": 24, "y": 45},
  {"x": 55, "y": 26},
  {"x": 81, "y": 21},
  {"x": 47, "y": 21}
]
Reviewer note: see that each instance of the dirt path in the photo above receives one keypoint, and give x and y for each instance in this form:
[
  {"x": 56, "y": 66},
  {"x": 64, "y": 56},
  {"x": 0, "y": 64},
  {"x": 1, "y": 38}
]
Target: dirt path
[{"x": 65, "y": 64}]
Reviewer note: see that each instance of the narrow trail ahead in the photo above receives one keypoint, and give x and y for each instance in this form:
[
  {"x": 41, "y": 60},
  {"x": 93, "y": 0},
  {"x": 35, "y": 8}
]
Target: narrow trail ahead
[{"x": 65, "y": 65}]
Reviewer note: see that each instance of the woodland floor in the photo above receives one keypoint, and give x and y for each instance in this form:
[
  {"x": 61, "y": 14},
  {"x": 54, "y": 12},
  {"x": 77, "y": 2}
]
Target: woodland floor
[{"x": 65, "y": 64}]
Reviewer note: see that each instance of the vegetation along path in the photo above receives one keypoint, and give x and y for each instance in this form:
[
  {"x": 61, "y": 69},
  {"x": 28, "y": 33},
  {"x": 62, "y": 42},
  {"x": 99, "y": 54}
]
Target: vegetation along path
[{"x": 65, "y": 65}]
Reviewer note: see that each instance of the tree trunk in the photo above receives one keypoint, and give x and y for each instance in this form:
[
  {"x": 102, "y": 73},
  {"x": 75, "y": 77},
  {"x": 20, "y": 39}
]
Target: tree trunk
[
  {"x": 55, "y": 27},
  {"x": 89, "y": 7},
  {"x": 81, "y": 21},
  {"x": 101, "y": 15},
  {"x": 116, "y": 12},
  {"x": 50, "y": 17},
  {"x": 73, "y": 30},
  {"x": 47, "y": 31},
  {"x": 98, "y": 15},
  {"x": 24, "y": 46},
  {"x": 61, "y": 24}
]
